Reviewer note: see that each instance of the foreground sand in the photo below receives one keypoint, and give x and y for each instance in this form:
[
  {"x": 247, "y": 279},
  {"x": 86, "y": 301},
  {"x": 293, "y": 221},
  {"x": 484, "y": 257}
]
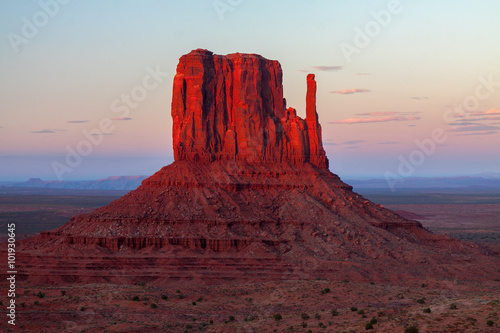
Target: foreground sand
[{"x": 141, "y": 308}]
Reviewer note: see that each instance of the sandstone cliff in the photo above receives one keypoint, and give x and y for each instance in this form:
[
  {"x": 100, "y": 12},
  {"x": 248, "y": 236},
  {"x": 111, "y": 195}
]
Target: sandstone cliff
[{"x": 232, "y": 108}]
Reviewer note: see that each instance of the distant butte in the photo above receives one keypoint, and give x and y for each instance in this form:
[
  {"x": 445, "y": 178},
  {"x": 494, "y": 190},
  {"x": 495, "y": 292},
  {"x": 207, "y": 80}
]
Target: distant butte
[{"x": 249, "y": 197}]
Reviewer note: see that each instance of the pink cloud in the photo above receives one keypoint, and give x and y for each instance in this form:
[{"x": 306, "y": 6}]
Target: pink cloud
[
  {"x": 349, "y": 91},
  {"x": 373, "y": 120},
  {"x": 491, "y": 112}
]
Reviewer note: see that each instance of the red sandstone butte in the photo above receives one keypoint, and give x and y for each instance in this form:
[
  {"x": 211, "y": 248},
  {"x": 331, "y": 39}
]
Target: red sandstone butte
[
  {"x": 232, "y": 108},
  {"x": 249, "y": 197}
]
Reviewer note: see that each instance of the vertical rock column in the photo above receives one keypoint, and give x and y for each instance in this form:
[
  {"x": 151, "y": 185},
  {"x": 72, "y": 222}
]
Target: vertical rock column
[{"x": 317, "y": 154}]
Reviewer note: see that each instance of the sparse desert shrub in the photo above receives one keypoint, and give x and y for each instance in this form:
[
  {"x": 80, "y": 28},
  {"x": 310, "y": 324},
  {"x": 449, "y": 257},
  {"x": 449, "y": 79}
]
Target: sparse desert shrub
[
  {"x": 321, "y": 325},
  {"x": 304, "y": 316},
  {"x": 361, "y": 312},
  {"x": 36, "y": 303},
  {"x": 334, "y": 312},
  {"x": 453, "y": 306},
  {"x": 82, "y": 308},
  {"x": 189, "y": 326},
  {"x": 277, "y": 316},
  {"x": 178, "y": 291},
  {"x": 153, "y": 306},
  {"x": 325, "y": 291},
  {"x": 304, "y": 324},
  {"x": 164, "y": 296},
  {"x": 199, "y": 299},
  {"x": 211, "y": 322},
  {"x": 23, "y": 304},
  {"x": 231, "y": 318},
  {"x": 490, "y": 323},
  {"x": 250, "y": 318},
  {"x": 194, "y": 303},
  {"x": 421, "y": 301},
  {"x": 345, "y": 281},
  {"x": 353, "y": 308},
  {"x": 63, "y": 292},
  {"x": 317, "y": 316},
  {"x": 381, "y": 313},
  {"x": 369, "y": 326},
  {"x": 373, "y": 321},
  {"x": 181, "y": 296},
  {"x": 412, "y": 329},
  {"x": 135, "y": 298},
  {"x": 427, "y": 310},
  {"x": 40, "y": 295},
  {"x": 424, "y": 285}
]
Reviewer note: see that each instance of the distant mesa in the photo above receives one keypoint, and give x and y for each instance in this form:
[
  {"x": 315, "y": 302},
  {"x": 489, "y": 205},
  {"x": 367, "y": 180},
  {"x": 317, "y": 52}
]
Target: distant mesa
[{"x": 249, "y": 197}]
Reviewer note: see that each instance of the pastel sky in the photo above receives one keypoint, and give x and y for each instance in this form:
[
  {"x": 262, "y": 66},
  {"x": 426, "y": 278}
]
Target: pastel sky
[{"x": 399, "y": 82}]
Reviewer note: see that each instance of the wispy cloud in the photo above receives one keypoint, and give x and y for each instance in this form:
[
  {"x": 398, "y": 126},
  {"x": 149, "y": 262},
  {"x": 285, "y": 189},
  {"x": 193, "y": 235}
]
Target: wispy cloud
[
  {"x": 345, "y": 143},
  {"x": 491, "y": 112},
  {"x": 77, "y": 121},
  {"x": 121, "y": 118},
  {"x": 420, "y": 98},
  {"x": 478, "y": 133},
  {"x": 468, "y": 128},
  {"x": 373, "y": 120},
  {"x": 350, "y": 91},
  {"x": 44, "y": 132},
  {"x": 353, "y": 142},
  {"x": 362, "y": 74},
  {"x": 388, "y": 113},
  {"x": 328, "y": 68}
]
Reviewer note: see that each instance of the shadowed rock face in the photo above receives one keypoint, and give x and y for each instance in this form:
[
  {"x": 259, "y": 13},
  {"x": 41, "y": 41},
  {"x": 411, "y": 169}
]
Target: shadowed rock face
[
  {"x": 232, "y": 108},
  {"x": 248, "y": 197}
]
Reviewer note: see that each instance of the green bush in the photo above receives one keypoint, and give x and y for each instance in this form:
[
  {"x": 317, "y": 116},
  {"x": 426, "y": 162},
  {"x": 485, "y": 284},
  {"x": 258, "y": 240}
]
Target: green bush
[
  {"x": 353, "y": 308},
  {"x": 304, "y": 316},
  {"x": 63, "y": 292},
  {"x": 361, "y": 312},
  {"x": 40, "y": 295},
  {"x": 369, "y": 326},
  {"x": 135, "y": 298},
  {"x": 231, "y": 318},
  {"x": 453, "y": 306},
  {"x": 334, "y": 312},
  {"x": 374, "y": 321},
  {"x": 490, "y": 323},
  {"x": 194, "y": 303},
  {"x": 277, "y": 316},
  {"x": 317, "y": 316},
  {"x": 36, "y": 303},
  {"x": 153, "y": 306},
  {"x": 164, "y": 296},
  {"x": 427, "y": 310},
  {"x": 82, "y": 308}
]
